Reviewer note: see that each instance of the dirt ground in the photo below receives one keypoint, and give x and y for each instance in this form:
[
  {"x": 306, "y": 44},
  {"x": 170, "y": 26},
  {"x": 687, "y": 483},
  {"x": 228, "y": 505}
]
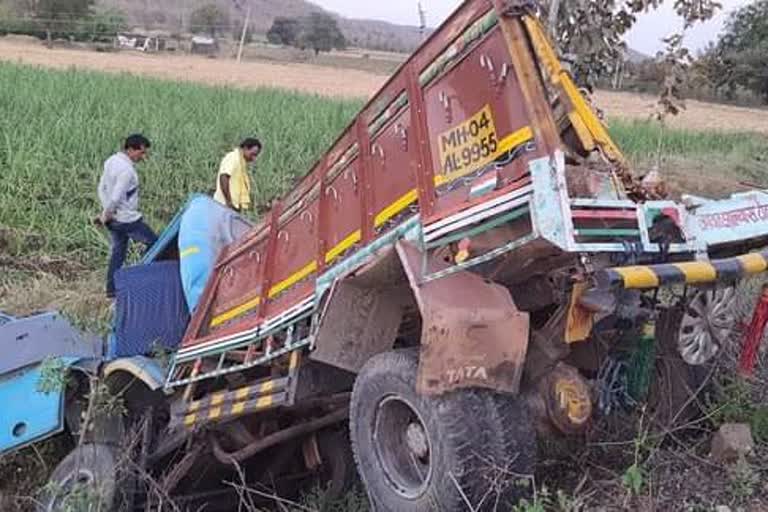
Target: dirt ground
[{"x": 331, "y": 81}]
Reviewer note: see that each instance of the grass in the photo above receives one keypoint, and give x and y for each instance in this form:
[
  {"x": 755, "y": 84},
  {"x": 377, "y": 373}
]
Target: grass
[
  {"x": 700, "y": 154},
  {"x": 59, "y": 126}
]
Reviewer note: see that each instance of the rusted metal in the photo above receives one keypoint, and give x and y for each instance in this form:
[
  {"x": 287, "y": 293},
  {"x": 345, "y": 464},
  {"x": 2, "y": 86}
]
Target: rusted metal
[
  {"x": 567, "y": 397},
  {"x": 362, "y": 316},
  {"x": 580, "y": 320},
  {"x": 472, "y": 334},
  {"x": 232, "y": 458}
]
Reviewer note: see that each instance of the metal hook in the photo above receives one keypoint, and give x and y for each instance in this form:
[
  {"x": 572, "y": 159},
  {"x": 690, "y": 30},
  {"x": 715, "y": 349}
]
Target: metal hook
[
  {"x": 403, "y": 133},
  {"x": 486, "y": 63},
  {"x": 445, "y": 100},
  {"x": 331, "y": 189},
  {"x": 255, "y": 256},
  {"x": 307, "y": 214},
  {"x": 281, "y": 233}
]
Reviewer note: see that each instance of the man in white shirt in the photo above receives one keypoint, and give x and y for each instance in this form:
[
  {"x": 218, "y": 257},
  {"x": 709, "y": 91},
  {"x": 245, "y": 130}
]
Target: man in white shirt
[{"x": 119, "y": 196}]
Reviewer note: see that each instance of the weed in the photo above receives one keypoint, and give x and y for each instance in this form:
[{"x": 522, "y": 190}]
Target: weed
[
  {"x": 54, "y": 376},
  {"x": 545, "y": 500},
  {"x": 743, "y": 479},
  {"x": 633, "y": 479}
]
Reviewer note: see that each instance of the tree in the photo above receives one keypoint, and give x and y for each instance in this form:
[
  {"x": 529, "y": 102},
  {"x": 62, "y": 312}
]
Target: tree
[
  {"x": 60, "y": 16},
  {"x": 208, "y": 19},
  {"x": 321, "y": 33},
  {"x": 738, "y": 60},
  {"x": 284, "y": 31},
  {"x": 592, "y": 30},
  {"x": 105, "y": 23}
]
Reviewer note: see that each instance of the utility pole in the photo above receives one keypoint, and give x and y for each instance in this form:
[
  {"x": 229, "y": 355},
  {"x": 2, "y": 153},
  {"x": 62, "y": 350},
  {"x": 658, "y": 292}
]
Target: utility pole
[
  {"x": 422, "y": 21},
  {"x": 239, "y": 7},
  {"x": 245, "y": 31}
]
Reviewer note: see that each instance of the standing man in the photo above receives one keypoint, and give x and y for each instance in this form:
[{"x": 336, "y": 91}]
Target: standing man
[
  {"x": 119, "y": 196},
  {"x": 233, "y": 185}
]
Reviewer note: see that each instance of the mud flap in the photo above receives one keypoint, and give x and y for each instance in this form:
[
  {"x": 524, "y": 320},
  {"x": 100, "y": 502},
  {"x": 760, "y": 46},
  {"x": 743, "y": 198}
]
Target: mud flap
[{"x": 473, "y": 334}]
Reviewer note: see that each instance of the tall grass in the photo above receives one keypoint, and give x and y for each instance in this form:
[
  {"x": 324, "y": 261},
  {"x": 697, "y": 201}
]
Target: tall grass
[
  {"x": 56, "y": 129},
  {"x": 737, "y": 155}
]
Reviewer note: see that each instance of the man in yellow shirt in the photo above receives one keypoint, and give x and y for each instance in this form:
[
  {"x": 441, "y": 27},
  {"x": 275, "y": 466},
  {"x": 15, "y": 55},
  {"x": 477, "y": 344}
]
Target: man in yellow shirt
[{"x": 233, "y": 185}]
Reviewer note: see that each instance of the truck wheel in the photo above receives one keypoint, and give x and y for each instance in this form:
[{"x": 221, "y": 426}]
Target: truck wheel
[
  {"x": 419, "y": 454},
  {"x": 86, "y": 479}
]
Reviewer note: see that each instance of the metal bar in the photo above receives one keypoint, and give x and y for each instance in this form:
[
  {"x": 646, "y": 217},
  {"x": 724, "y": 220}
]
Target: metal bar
[
  {"x": 276, "y": 438},
  {"x": 256, "y": 362},
  {"x": 604, "y": 214},
  {"x": 604, "y": 203},
  {"x": 480, "y": 229},
  {"x": 423, "y": 162},
  {"x": 530, "y": 81},
  {"x": 367, "y": 214},
  {"x": 323, "y": 225},
  {"x": 269, "y": 265},
  {"x": 481, "y": 259},
  {"x": 469, "y": 220},
  {"x": 480, "y": 208},
  {"x": 607, "y": 232},
  {"x": 645, "y": 277}
]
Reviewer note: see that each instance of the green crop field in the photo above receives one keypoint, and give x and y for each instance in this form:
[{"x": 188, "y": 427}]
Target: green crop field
[{"x": 57, "y": 127}]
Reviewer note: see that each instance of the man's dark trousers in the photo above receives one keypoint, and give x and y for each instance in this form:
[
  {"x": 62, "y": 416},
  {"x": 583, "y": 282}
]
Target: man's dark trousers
[{"x": 121, "y": 233}]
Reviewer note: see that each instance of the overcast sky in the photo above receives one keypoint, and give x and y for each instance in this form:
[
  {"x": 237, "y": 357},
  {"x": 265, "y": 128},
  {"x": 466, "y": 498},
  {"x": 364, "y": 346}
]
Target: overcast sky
[{"x": 644, "y": 37}]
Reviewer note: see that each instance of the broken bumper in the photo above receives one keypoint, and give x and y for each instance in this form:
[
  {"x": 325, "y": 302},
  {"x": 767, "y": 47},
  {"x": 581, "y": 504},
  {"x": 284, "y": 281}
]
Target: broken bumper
[{"x": 644, "y": 277}]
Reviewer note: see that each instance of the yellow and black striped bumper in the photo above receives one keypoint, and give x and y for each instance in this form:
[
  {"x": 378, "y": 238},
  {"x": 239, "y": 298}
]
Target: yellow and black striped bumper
[
  {"x": 222, "y": 406},
  {"x": 645, "y": 277}
]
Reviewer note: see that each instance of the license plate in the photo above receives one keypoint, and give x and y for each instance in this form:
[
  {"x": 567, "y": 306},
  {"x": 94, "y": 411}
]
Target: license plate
[{"x": 469, "y": 146}]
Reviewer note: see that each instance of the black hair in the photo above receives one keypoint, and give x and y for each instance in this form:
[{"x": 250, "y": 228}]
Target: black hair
[
  {"x": 137, "y": 141},
  {"x": 251, "y": 142}
]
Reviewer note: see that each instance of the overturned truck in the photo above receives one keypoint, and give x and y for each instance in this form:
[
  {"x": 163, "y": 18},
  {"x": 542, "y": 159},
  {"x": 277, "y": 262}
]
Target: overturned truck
[{"x": 461, "y": 271}]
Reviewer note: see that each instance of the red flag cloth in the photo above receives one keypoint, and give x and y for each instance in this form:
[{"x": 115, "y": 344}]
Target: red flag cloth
[{"x": 754, "y": 335}]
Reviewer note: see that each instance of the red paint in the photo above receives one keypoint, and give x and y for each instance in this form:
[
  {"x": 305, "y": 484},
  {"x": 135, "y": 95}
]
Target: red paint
[
  {"x": 754, "y": 335},
  {"x": 605, "y": 214}
]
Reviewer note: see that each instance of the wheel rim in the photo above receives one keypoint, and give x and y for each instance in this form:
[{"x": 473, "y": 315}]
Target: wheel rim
[
  {"x": 402, "y": 446},
  {"x": 708, "y": 321},
  {"x": 81, "y": 479}
]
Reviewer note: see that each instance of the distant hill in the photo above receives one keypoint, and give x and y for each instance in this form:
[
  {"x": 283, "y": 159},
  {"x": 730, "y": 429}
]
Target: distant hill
[
  {"x": 636, "y": 57},
  {"x": 174, "y": 14}
]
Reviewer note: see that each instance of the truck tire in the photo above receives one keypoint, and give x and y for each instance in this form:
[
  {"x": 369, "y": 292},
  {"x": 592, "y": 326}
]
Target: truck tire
[
  {"x": 447, "y": 453},
  {"x": 85, "y": 479}
]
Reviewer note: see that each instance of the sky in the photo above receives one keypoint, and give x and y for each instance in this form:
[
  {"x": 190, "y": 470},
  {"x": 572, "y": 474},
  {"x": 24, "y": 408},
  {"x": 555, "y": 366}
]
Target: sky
[{"x": 645, "y": 36}]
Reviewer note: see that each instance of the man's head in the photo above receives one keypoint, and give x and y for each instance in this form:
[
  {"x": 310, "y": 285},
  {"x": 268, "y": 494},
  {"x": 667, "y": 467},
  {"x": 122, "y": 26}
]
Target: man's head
[
  {"x": 251, "y": 148},
  {"x": 136, "y": 147}
]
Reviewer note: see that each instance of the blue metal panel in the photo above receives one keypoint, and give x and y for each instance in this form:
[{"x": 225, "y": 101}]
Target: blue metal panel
[
  {"x": 168, "y": 235},
  {"x": 28, "y": 415},
  {"x": 551, "y": 213}
]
